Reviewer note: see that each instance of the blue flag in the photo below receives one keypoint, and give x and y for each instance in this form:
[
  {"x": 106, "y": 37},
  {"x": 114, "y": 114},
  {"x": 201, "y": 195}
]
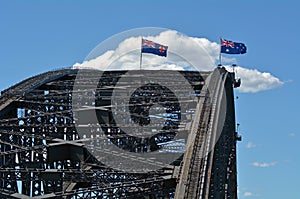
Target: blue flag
[
  {"x": 154, "y": 48},
  {"x": 230, "y": 47}
]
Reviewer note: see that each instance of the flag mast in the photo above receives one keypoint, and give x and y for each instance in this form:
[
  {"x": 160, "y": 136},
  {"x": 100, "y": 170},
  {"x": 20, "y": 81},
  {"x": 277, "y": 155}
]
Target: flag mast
[
  {"x": 141, "y": 55},
  {"x": 220, "y": 55}
]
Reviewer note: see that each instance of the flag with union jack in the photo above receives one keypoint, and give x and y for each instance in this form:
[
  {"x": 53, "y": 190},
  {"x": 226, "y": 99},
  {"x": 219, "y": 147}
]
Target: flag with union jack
[
  {"x": 230, "y": 47},
  {"x": 154, "y": 48}
]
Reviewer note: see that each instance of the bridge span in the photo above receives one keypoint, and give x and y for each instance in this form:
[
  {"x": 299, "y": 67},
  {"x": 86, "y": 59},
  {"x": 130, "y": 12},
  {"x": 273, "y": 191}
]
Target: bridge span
[{"x": 63, "y": 136}]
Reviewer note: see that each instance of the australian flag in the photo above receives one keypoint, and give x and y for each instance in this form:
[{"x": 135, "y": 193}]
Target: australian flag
[
  {"x": 230, "y": 47},
  {"x": 154, "y": 48}
]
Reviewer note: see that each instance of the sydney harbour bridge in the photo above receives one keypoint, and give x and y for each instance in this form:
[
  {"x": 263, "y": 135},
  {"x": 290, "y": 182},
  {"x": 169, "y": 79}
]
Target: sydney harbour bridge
[{"x": 43, "y": 155}]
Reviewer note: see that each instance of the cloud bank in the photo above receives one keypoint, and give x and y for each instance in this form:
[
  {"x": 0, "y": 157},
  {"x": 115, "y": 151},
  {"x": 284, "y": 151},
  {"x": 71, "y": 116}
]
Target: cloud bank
[
  {"x": 250, "y": 194},
  {"x": 250, "y": 145},
  {"x": 292, "y": 134},
  {"x": 264, "y": 164},
  {"x": 254, "y": 81},
  {"x": 184, "y": 53}
]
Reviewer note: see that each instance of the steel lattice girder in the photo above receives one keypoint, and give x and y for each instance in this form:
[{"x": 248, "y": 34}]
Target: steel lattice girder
[{"x": 36, "y": 117}]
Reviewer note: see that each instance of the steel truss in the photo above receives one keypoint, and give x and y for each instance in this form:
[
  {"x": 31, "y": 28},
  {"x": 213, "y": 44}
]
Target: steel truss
[{"x": 42, "y": 154}]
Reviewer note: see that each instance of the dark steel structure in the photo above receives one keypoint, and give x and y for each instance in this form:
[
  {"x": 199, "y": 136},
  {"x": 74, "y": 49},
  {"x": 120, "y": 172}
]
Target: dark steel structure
[{"x": 43, "y": 156}]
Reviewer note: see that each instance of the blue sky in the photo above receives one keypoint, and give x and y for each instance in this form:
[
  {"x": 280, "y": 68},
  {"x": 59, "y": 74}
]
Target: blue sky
[{"x": 37, "y": 36}]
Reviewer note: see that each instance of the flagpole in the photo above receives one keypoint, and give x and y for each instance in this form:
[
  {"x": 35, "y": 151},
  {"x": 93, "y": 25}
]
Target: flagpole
[
  {"x": 141, "y": 55},
  {"x": 141, "y": 60},
  {"x": 220, "y": 58},
  {"x": 220, "y": 55}
]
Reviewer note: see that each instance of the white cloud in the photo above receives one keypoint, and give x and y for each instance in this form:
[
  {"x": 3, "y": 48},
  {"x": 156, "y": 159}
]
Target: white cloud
[
  {"x": 250, "y": 145},
  {"x": 247, "y": 194},
  {"x": 292, "y": 134},
  {"x": 263, "y": 164},
  {"x": 250, "y": 194},
  {"x": 183, "y": 51},
  {"x": 254, "y": 81}
]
